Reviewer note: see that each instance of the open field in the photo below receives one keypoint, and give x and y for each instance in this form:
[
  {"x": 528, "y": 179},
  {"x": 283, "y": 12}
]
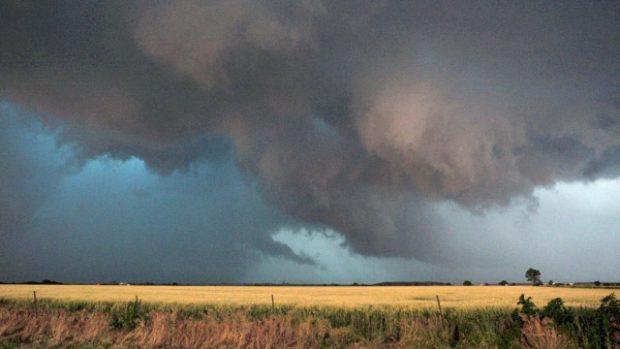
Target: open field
[
  {"x": 88, "y": 316},
  {"x": 338, "y": 296}
]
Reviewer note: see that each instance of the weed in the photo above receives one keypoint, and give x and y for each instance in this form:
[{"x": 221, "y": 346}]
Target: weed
[{"x": 129, "y": 316}]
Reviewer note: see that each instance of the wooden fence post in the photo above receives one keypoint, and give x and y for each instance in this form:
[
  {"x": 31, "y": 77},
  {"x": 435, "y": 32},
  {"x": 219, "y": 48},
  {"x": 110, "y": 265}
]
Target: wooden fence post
[
  {"x": 273, "y": 305},
  {"x": 34, "y": 296}
]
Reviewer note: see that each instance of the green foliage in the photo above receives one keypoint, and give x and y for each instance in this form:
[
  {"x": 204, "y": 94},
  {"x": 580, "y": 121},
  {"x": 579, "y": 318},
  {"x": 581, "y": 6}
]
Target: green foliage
[
  {"x": 527, "y": 306},
  {"x": 589, "y": 328},
  {"x": 610, "y": 306},
  {"x": 533, "y": 275},
  {"x": 556, "y": 311},
  {"x": 503, "y": 283},
  {"x": 466, "y": 283},
  {"x": 8, "y": 344},
  {"x": 129, "y": 316}
]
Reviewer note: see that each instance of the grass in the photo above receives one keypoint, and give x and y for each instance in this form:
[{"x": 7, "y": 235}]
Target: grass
[
  {"x": 419, "y": 297},
  {"x": 245, "y": 326},
  {"x": 74, "y": 316},
  {"x": 72, "y": 324}
]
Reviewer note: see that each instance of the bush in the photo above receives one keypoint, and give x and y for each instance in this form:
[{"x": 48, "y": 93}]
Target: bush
[
  {"x": 503, "y": 283},
  {"x": 588, "y": 328},
  {"x": 610, "y": 307},
  {"x": 466, "y": 283},
  {"x": 527, "y": 305},
  {"x": 556, "y": 311},
  {"x": 129, "y": 316}
]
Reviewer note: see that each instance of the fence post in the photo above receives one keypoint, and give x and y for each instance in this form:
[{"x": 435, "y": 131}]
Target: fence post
[
  {"x": 273, "y": 304},
  {"x": 34, "y": 296},
  {"x": 439, "y": 306}
]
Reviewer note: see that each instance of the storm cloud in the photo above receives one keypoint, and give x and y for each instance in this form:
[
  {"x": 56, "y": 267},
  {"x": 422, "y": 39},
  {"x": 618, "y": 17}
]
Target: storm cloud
[{"x": 354, "y": 116}]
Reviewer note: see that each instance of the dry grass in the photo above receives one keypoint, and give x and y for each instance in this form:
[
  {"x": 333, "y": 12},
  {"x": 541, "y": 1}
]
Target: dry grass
[
  {"x": 169, "y": 330},
  {"x": 462, "y": 297},
  {"x": 539, "y": 333},
  {"x": 229, "y": 325},
  {"x": 60, "y": 327},
  {"x": 165, "y": 330}
]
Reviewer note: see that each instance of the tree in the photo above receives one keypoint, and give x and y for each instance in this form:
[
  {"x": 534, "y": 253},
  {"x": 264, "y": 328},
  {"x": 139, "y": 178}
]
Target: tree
[
  {"x": 466, "y": 283},
  {"x": 503, "y": 283},
  {"x": 533, "y": 275}
]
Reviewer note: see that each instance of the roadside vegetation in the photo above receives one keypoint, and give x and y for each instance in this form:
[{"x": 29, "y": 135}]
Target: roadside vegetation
[{"x": 66, "y": 324}]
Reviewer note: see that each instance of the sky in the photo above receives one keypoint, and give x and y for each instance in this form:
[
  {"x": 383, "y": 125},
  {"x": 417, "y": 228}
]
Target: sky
[{"x": 309, "y": 142}]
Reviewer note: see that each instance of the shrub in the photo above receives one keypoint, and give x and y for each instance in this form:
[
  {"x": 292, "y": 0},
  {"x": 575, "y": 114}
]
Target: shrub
[
  {"x": 466, "y": 283},
  {"x": 129, "y": 316},
  {"x": 587, "y": 328},
  {"x": 556, "y": 311},
  {"x": 527, "y": 305},
  {"x": 610, "y": 309}
]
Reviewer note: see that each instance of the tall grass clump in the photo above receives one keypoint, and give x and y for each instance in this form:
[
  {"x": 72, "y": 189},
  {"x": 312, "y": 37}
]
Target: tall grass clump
[{"x": 127, "y": 316}]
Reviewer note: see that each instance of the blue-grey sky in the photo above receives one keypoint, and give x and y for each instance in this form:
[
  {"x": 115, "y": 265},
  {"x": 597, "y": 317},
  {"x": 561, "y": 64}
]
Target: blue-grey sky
[{"x": 309, "y": 142}]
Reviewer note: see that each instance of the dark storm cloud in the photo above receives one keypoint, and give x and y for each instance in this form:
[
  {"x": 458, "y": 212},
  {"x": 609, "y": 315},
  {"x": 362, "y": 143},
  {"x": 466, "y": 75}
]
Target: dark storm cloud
[
  {"x": 28, "y": 174},
  {"x": 355, "y": 116},
  {"x": 113, "y": 220},
  {"x": 607, "y": 166}
]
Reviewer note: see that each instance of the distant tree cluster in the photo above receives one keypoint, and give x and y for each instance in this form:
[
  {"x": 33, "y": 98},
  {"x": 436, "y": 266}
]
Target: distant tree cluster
[{"x": 532, "y": 275}]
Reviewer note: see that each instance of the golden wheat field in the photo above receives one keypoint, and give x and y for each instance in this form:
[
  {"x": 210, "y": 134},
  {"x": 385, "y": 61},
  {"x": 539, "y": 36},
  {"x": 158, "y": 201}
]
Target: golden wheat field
[{"x": 338, "y": 296}]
